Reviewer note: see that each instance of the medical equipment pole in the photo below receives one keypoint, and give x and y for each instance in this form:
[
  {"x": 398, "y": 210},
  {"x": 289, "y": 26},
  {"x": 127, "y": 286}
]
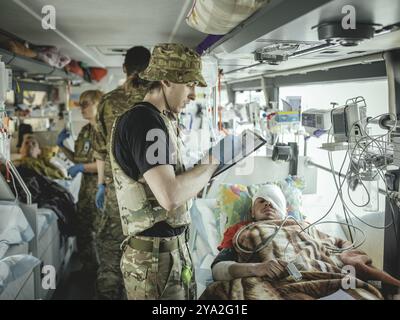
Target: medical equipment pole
[{"x": 342, "y": 175}]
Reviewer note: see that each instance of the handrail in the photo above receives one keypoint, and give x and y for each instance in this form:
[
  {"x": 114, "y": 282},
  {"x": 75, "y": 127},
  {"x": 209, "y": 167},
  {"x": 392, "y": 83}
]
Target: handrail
[{"x": 16, "y": 174}]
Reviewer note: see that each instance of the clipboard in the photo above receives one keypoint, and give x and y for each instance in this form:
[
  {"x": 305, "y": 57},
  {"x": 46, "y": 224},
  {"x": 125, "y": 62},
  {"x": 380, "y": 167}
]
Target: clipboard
[{"x": 235, "y": 149}]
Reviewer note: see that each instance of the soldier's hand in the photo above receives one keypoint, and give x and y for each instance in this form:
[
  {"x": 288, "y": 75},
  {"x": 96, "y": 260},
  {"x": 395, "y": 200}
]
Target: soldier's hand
[
  {"x": 64, "y": 134},
  {"x": 100, "y": 195},
  {"x": 74, "y": 170}
]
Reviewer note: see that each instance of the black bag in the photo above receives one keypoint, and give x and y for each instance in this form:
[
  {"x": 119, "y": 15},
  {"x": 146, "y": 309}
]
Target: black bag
[{"x": 49, "y": 194}]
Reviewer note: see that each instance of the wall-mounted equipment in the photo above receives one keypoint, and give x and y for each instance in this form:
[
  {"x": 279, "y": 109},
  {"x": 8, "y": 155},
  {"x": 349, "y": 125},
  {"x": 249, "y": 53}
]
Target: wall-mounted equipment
[
  {"x": 39, "y": 124},
  {"x": 288, "y": 153},
  {"x": 348, "y": 122},
  {"x": 5, "y": 83},
  {"x": 333, "y": 32},
  {"x": 277, "y": 52},
  {"x": 316, "y": 119},
  {"x": 5, "y": 136}
]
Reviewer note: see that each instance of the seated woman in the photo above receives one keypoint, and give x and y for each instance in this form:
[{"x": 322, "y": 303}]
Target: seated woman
[
  {"x": 272, "y": 257},
  {"x": 30, "y": 152}
]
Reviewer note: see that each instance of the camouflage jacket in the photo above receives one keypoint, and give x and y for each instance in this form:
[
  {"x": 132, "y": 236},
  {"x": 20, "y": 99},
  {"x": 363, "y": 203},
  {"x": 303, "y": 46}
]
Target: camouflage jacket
[
  {"x": 84, "y": 145},
  {"x": 112, "y": 106},
  {"x": 42, "y": 167}
]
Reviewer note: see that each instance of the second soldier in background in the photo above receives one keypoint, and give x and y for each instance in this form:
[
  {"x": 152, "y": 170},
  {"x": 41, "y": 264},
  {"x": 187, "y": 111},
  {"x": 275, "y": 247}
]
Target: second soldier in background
[
  {"x": 85, "y": 163},
  {"x": 110, "y": 283}
]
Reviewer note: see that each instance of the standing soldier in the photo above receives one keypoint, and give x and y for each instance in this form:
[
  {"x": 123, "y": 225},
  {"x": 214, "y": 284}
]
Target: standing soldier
[
  {"x": 85, "y": 163},
  {"x": 153, "y": 188},
  {"x": 110, "y": 284}
]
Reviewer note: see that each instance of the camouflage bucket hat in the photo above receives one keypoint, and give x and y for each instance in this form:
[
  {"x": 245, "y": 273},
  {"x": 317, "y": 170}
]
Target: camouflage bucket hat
[{"x": 176, "y": 63}]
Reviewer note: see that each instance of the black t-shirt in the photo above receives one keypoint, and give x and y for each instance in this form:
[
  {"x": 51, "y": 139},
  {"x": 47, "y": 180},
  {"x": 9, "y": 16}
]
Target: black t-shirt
[{"x": 142, "y": 143}]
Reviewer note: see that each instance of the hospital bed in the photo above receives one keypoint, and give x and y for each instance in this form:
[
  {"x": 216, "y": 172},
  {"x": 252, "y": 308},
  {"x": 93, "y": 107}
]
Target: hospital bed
[
  {"x": 22, "y": 288},
  {"x": 206, "y": 230},
  {"x": 16, "y": 260},
  {"x": 29, "y": 240}
]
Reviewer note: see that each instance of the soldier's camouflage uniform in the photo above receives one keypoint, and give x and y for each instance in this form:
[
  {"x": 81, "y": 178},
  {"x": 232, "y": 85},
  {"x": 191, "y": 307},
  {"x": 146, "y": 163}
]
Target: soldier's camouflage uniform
[
  {"x": 109, "y": 238},
  {"x": 87, "y": 211},
  {"x": 153, "y": 267},
  {"x": 43, "y": 167}
]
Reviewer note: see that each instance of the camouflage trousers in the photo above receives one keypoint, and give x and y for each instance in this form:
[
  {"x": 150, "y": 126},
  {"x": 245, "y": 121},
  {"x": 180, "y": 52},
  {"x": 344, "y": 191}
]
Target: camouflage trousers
[
  {"x": 110, "y": 284},
  {"x": 155, "y": 274},
  {"x": 85, "y": 224}
]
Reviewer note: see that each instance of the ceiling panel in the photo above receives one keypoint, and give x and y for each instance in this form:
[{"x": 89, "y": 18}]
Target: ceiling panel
[
  {"x": 93, "y": 23},
  {"x": 272, "y": 24}
]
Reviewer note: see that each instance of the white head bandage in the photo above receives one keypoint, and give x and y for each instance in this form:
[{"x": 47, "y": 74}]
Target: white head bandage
[{"x": 273, "y": 194}]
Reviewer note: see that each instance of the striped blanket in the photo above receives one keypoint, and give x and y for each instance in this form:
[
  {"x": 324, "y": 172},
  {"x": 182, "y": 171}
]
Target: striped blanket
[{"x": 313, "y": 255}]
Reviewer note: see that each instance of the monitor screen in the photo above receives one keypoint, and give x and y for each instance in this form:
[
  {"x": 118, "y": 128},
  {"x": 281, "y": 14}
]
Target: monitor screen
[{"x": 339, "y": 123}]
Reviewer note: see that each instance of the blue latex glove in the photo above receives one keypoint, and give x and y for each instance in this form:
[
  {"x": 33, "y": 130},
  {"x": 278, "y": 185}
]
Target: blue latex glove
[
  {"x": 64, "y": 134},
  {"x": 74, "y": 170},
  {"x": 319, "y": 132},
  {"x": 100, "y": 194}
]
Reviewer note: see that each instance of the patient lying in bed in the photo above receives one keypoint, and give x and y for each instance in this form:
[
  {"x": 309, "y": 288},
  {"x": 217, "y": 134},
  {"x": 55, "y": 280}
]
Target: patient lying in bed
[
  {"x": 31, "y": 158},
  {"x": 272, "y": 257}
]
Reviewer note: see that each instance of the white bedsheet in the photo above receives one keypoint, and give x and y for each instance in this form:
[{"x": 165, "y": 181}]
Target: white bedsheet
[
  {"x": 14, "y": 228},
  {"x": 205, "y": 242},
  {"x": 73, "y": 185},
  {"x": 45, "y": 217},
  {"x": 14, "y": 267}
]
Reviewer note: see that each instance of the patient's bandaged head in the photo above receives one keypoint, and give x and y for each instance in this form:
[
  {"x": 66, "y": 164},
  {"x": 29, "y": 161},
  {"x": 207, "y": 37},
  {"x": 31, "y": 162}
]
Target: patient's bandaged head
[{"x": 273, "y": 194}]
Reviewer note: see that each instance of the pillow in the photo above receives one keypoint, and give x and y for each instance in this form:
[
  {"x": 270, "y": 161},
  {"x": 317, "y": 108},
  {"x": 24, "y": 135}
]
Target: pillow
[
  {"x": 235, "y": 200},
  {"x": 234, "y": 203},
  {"x": 204, "y": 221},
  {"x": 292, "y": 187}
]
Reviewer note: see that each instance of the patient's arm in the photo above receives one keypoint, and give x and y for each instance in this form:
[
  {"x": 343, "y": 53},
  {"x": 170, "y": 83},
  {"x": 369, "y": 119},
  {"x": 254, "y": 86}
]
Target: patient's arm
[
  {"x": 364, "y": 268},
  {"x": 228, "y": 270},
  {"x": 337, "y": 242},
  {"x": 224, "y": 267}
]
